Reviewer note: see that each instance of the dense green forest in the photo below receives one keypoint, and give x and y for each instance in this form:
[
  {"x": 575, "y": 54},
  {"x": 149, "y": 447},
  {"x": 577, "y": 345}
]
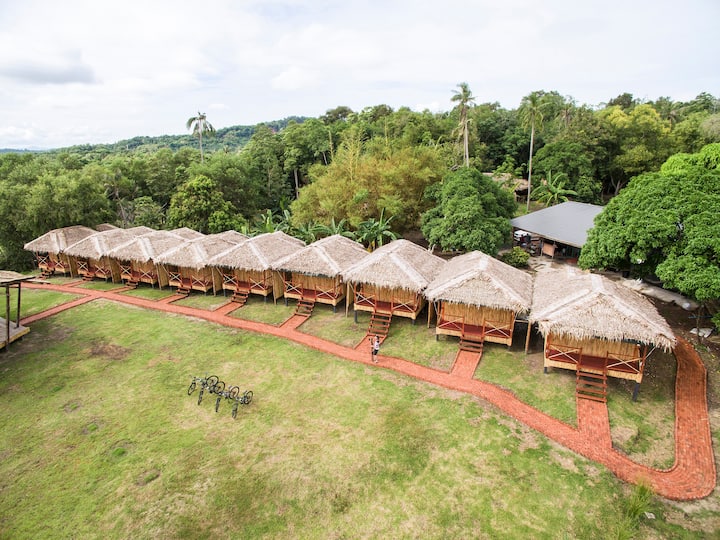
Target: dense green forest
[{"x": 376, "y": 174}]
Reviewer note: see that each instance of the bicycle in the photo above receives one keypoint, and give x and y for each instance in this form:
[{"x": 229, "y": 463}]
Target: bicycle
[
  {"x": 245, "y": 399},
  {"x": 207, "y": 383},
  {"x": 221, "y": 393}
]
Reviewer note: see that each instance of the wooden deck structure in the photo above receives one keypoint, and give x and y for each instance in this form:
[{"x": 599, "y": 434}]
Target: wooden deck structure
[
  {"x": 477, "y": 298},
  {"x": 12, "y": 331},
  {"x": 89, "y": 256}
]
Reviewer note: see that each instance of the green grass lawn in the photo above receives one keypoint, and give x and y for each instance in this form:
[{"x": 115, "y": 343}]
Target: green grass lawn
[
  {"x": 265, "y": 311},
  {"x": 34, "y": 301},
  {"x": 100, "y": 439}
]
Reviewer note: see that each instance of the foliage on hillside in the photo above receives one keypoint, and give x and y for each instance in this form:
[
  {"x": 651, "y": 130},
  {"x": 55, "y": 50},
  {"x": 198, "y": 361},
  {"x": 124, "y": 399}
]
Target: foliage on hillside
[{"x": 367, "y": 170}]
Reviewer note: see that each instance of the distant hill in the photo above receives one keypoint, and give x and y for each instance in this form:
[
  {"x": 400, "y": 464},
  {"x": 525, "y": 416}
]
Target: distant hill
[{"x": 229, "y": 138}]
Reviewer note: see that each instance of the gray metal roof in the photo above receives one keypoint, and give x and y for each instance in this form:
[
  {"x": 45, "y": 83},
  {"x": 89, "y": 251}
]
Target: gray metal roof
[{"x": 567, "y": 223}]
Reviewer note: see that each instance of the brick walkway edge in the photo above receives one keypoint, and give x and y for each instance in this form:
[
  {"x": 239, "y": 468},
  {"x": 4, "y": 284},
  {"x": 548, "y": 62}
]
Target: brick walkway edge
[{"x": 692, "y": 476}]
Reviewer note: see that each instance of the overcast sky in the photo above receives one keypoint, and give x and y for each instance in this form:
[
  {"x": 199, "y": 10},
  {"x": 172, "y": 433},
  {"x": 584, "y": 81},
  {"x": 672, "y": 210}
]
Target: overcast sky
[{"x": 99, "y": 71}]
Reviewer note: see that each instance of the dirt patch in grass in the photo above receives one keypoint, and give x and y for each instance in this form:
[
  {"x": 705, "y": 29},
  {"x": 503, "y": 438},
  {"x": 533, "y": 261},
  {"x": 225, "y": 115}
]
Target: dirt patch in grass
[
  {"x": 147, "y": 476},
  {"x": 111, "y": 351},
  {"x": 92, "y": 427},
  {"x": 72, "y": 406}
]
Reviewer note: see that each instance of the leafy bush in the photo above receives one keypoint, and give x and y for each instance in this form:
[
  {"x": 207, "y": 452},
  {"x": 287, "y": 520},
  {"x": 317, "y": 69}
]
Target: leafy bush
[{"x": 516, "y": 257}]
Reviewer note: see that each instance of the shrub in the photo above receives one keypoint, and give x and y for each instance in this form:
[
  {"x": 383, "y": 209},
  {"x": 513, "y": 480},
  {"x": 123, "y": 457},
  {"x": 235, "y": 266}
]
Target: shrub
[{"x": 516, "y": 257}]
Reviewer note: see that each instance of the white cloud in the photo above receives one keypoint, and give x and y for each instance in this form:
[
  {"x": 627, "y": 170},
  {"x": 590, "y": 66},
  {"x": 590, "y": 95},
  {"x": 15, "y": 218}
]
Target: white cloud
[{"x": 77, "y": 71}]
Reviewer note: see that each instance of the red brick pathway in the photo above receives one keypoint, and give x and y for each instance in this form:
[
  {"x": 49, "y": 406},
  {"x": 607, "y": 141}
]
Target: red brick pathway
[
  {"x": 692, "y": 476},
  {"x": 465, "y": 364}
]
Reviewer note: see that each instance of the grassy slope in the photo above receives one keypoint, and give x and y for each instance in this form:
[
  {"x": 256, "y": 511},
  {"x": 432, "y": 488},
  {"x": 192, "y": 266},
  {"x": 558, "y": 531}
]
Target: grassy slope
[{"x": 98, "y": 434}]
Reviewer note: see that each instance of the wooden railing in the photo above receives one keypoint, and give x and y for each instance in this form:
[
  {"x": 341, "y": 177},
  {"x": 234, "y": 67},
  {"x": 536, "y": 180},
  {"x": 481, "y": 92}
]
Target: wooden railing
[
  {"x": 452, "y": 323},
  {"x": 563, "y": 353},
  {"x": 625, "y": 362},
  {"x": 497, "y": 328}
]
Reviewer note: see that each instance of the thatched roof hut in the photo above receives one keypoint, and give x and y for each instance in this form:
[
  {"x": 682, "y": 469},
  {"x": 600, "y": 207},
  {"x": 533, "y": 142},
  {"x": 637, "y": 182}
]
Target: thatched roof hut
[
  {"x": 478, "y": 297},
  {"x": 401, "y": 264},
  {"x": 99, "y": 244},
  {"x": 391, "y": 279},
  {"x": 195, "y": 253},
  {"x": 329, "y": 257},
  {"x": 106, "y": 227},
  {"x": 147, "y": 247},
  {"x": 259, "y": 253},
  {"x": 581, "y": 305},
  {"x": 480, "y": 280},
  {"x": 314, "y": 273},
  {"x": 140, "y": 230},
  {"x": 596, "y": 327},
  {"x": 56, "y": 240},
  {"x": 247, "y": 267}
]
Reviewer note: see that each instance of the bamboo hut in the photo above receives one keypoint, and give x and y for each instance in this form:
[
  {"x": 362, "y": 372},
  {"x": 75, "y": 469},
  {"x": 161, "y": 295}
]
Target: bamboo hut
[
  {"x": 188, "y": 265},
  {"x": 136, "y": 258},
  {"x": 247, "y": 267},
  {"x": 314, "y": 273},
  {"x": 90, "y": 255},
  {"x": 391, "y": 279},
  {"x": 478, "y": 298},
  {"x": 49, "y": 249},
  {"x": 9, "y": 331},
  {"x": 591, "y": 324}
]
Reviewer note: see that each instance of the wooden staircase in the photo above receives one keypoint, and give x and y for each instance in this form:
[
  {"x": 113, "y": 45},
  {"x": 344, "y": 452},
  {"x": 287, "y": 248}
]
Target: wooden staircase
[
  {"x": 183, "y": 290},
  {"x": 132, "y": 283},
  {"x": 305, "y": 306},
  {"x": 379, "y": 324},
  {"x": 88, "y": 277},
  {"x": 46, "y": 273},
  {"x": 471, "y": 343},
  {"x": 240, "y": 296},
  {"x": 590, "y": 385}
]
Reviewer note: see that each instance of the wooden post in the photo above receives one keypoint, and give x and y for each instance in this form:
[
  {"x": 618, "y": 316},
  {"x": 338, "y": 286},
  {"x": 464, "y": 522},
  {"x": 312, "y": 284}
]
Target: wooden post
[
  {"x": 527, "y": 336},
  {"x": 17, "y": 320},
  {"x": 7, "y": 317}
]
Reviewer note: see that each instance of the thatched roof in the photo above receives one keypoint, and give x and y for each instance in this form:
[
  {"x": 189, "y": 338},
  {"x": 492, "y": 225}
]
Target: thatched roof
[
  {"x": 260, "y": 252},
  {"x": 57, "y": 240},
  {"x": 140, "y": 230},
  {"x": 106, "y": 227},
  {"x": 196, "y": 253},
  {"x": 231, "y": 236},
  {"x": 479, "y": 280},
  {"x": 582, "y": 305},
  {"x": 8, "y": 277},
  {"x": 327, "y": 257},
  {"x": 99, "y": 244},
  {"x": 146, "y": 247},
  {"x": 400, "y": 264},
  {"x": 187, "y": 233}
]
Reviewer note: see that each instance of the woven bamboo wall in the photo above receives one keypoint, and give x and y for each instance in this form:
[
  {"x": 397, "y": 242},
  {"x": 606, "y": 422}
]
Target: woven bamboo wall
[
  {"x": 596, "y": 347},
  {"x": 476, "y": 315}
]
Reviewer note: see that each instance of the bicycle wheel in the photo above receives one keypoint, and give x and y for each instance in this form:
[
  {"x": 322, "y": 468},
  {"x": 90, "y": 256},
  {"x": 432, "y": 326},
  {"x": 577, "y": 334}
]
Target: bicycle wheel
[
  {"x": 234, "y": 409},
  {"x": 247, "y": 397},
  {"x": 192, "y": 387},
  {"x": 202, "y": 390},
  {"x": 211, "y": 381},
  {"x": 217, "y": 403},
  {"x": 219, "y": 387}
]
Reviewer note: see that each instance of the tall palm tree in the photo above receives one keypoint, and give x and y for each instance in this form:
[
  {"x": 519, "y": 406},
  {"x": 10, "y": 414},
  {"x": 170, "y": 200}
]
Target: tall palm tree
[
  {"x": 464, "y": 99},
  {"x": 531, "y": 115},
  {"x": 199, "y": 125}
]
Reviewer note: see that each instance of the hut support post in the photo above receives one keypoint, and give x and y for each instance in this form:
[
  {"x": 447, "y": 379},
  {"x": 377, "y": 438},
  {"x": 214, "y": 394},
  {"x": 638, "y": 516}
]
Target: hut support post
[
  {"x": 6, "y": 345},
  {"x": 527, "y": 337},
  {"x": 17, "y": 318},
  {"x": 635, "y": 391}
]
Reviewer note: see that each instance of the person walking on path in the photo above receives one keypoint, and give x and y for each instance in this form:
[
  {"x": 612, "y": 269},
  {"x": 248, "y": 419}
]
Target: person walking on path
[{"x": 375, "y": 344}]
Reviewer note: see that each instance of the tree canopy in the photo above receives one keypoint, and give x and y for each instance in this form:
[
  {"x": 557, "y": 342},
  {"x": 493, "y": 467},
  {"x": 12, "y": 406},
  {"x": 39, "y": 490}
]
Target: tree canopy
[
  {"x": 471, "y": 212},
  {"x": 665, "y": 223}
]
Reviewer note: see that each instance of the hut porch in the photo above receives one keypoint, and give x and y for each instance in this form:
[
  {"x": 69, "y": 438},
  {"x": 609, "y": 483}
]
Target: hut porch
[
  {"x": 187, "y": 279},
  {"x": 621, "y": 360},
  {"x": 402, "y": 303},
  {"x": 51, "y": 263},
  {"x": 90, "y": 268},
  {"x": 133, "y": 273},
  {"x": 246, "y": 281},
  {"x": 326, "y": 290},
  {"x": 482, "y": 324}
]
